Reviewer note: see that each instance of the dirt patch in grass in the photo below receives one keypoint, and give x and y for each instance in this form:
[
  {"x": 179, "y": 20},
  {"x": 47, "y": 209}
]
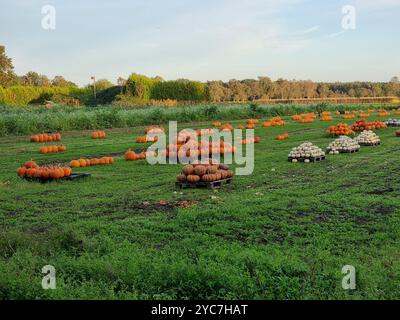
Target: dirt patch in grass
[
  {"x": 380, "y": 191},
  {"x": 164, "y": 205},
  {"x": 147, "y": 207},
  {"x": 323, "y": 217},
  {"x": 382, "y": 210}
]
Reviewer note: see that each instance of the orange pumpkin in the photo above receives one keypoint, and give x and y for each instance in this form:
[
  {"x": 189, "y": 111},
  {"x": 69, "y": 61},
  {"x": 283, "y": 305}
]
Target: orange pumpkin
[
  {"x": 75, "y": 164},
  {"x": 199, "y": 170},
  {"x": 193, "y": 178},
  {"x": 21, "y": 171},
  {"x": 82, "y": 162},
  {"x": 130, "y": 155},
  {"x": 181, "y": 178},
  {"x": 30, "y": 164},
  {"x": 188, "y": 169}
]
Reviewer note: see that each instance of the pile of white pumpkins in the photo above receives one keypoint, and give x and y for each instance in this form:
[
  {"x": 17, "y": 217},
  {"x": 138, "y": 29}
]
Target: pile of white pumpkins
[
  {"x": 368, "y": 137},
  {"x": 393, "y": 123},
  {"x": 343, "y": 144},
  {"x": 305, "y": 152}
]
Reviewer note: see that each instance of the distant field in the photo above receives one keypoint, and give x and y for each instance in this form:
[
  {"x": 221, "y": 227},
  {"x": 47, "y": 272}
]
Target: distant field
[{"x": 285, "y": 232}]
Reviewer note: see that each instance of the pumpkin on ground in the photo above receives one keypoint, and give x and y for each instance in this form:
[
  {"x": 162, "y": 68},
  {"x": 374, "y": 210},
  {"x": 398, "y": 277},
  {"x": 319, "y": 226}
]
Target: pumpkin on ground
[
  {"x": 52, "y": 149},
  {"x": 282, "y": 136},
  {"x": 46, "y": 137},
  {"x": 91, "y": 162},
  {"x": 98, "y": 135}
]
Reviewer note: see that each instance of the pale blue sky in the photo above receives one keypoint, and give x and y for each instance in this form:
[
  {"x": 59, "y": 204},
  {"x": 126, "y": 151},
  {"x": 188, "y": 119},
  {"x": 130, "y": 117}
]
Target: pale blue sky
[{"x": 204, "y": 40}]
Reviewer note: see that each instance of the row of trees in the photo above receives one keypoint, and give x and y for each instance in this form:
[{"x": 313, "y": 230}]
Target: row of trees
[
  {"x": 146, "y": 88},
  {"x": 265, "y": 88}
]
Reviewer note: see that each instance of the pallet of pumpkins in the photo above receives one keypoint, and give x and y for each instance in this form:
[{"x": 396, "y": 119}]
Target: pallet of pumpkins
[
  {"x": 33, "y": 172},
  {"x": 343, "y": 144},
  {"x": 204, "y": 174},
  {"x": 368, "y": 138},
  {"x": 393, "y": 123},
  {"x": 306, "y": 152}
]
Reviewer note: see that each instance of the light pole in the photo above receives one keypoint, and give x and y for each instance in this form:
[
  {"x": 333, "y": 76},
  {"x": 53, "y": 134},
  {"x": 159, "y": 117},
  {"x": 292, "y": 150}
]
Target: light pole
[{"x": 94, "y": 87}]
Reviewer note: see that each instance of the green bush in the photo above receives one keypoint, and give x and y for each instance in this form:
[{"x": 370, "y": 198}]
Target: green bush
[
  {"x": 140, "y": 86},
  {"x": 181, "y": 90},
  {"x": 23, "y": 95}
]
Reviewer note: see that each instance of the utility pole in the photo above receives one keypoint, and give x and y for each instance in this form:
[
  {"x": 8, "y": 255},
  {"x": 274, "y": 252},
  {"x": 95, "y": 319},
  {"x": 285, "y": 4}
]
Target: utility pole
[{"x": 94, "y": 87}]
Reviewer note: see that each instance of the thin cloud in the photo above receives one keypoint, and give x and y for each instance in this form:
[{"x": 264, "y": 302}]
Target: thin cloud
[
  {"x": 307, "y": 31},
  {"x": 336, "y": 34}
]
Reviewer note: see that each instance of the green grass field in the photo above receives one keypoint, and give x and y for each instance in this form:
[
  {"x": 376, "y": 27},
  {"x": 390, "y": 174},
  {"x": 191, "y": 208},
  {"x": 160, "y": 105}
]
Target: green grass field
[{"x": 285, "y": 232}]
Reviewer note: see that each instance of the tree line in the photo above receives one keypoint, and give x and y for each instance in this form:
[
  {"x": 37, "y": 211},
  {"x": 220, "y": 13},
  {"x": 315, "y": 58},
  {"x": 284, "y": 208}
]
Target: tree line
[{"x": 146, "y": 88}]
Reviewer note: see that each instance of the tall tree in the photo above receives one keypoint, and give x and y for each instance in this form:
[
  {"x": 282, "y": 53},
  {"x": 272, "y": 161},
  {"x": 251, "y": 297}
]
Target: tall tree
[
  {"x": 59, "y": 81},
  {"x": 34, "y": 79},
  {"x": 216, "y": 91},
  {"x": 7, "y": 75}
]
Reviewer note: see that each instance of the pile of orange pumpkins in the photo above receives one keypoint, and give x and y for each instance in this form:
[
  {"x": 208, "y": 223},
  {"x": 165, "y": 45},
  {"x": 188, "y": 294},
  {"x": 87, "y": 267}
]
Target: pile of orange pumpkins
[
  {"x": 274, "y": 122},
  {"x": 52, "y": 149},
  {"x": 252, "y": 121},
  {"x": 361, "y": 125},
  {"x": 98, "y": 135},
  {"x": 342, "y": 129},
  {"x": 91, "y": 162},
  {"x": 227, "y": 127},
  {"x": 146, "y": 139},
  {"x": 251, "y": 140},
  {"x": 326, "y": 116},
  {"x": 207, "y": 171},
  {"x": 305, "y": 117},
  {"x": 46, "y": 137},
  {"x": 247, "y": 127},
  {"x": 31, "y": 170},
  {"x": 195, "y": 149},
  {"x": 133, "y": 156},
  {"x": 154, "y": 129}
]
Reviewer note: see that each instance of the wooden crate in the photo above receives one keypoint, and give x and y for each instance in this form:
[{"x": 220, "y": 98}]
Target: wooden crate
[
  {"x": 72, "y": 177},
  {"x": 312, "y": 159},
  {"x": 202, "y": 184},
  {"x": 369, "y": 144},
  {"x": 349, "y": 151}
]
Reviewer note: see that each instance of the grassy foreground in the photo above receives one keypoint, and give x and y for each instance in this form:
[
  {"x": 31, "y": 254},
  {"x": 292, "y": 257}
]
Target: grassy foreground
[{"x": 285, "y": 232}]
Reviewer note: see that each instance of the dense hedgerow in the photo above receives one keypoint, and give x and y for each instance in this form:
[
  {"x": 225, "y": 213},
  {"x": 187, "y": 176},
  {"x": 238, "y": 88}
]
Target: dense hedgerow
[
  {"x": 29, "y": 120},
  {"x": 23, "y": 95},
  {"x": 180, "y": 90},
  {"x": 145, "y": 88}
]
